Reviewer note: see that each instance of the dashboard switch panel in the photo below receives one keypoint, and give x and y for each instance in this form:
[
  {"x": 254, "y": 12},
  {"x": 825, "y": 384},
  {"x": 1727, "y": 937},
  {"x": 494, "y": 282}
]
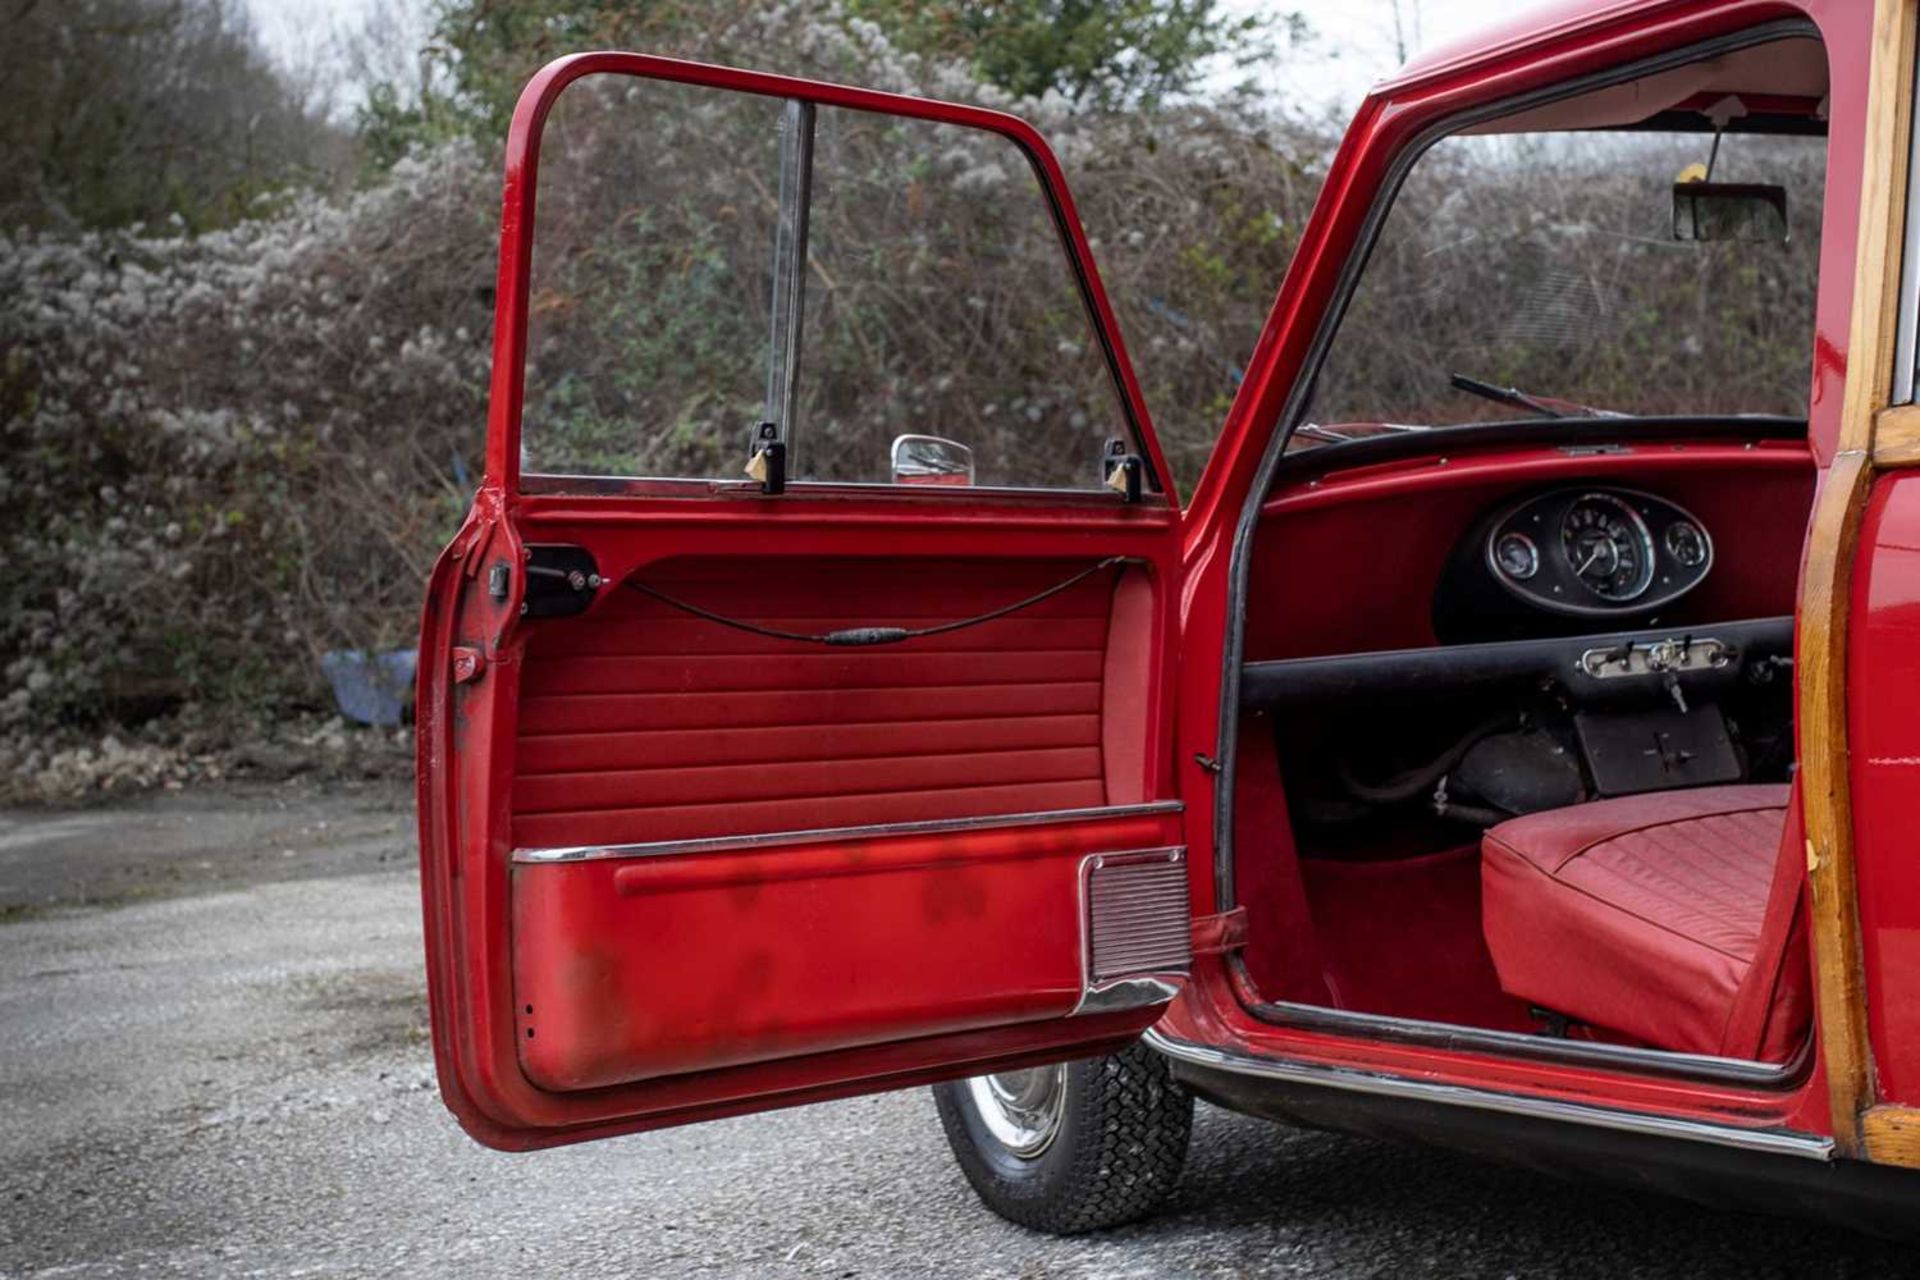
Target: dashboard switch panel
[{"x": 1656, "y": 658}]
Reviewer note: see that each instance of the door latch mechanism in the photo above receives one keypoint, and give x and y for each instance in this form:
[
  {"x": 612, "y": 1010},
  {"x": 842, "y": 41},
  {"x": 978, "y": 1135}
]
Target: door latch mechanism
[
  {"x": 768, "y": 463},
  {"x": 1123, "y": 470},
  {"x": 561, "y": 581}
]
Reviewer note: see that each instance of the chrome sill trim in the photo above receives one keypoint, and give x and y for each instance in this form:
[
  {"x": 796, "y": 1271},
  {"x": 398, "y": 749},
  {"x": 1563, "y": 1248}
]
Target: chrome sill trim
[
  {"x": 1771, "y": 1141},
  {"x": 1692, "y": 1066},
  {"x": 829, "y": 835}
]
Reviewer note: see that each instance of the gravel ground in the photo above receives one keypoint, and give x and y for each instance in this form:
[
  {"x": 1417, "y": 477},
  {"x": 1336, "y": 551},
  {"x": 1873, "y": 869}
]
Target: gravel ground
[{"x": 213, "y": 1062}]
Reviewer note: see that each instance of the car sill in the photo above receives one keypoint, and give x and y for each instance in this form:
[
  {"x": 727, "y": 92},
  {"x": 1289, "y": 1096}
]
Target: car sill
[
  {"x": 1770, "y": 1141},
  {"x": 1661, "y": 1062}
]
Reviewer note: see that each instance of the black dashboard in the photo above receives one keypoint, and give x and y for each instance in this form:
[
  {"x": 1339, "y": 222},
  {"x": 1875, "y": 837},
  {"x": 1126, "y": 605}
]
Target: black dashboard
[{"x": 1570, "y": 558}]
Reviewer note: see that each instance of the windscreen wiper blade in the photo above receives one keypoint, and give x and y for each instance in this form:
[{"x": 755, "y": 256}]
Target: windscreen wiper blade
[
  {"x": 1505, "y": 395},
  {"x": 1339, "y": 433}
]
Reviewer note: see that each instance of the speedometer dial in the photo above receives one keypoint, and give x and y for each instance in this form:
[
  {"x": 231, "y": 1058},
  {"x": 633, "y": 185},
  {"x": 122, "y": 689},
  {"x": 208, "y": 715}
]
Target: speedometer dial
[{"x": 1608, "y": 547}]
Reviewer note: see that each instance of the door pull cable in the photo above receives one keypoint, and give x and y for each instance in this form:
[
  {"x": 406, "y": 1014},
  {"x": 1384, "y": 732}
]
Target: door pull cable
[{"x": 851, "y": 637}]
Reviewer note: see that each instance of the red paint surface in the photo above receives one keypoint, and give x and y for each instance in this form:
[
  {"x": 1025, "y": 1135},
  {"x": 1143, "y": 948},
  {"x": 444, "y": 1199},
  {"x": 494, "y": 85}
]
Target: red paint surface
[
  {"x": 706, "y": 985},
  {"x": 1402, "y": 938},
  {"x": 1351, "y": 564},
  {"x": 467, "y": 732},
  {"x": 790, "y": 971},
  {"x": 1284, "y": 958},
  {"x": 1883, "y": 689},
  {"x": 661, "y": 966}
]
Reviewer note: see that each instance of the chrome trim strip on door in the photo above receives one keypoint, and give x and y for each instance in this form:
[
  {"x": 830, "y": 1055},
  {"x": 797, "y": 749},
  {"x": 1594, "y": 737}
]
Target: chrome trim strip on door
[
  {"x": 1127, "y": 993},
  {"x": 1771, "y": 1141},
  {"x": 829, "y": 835}
]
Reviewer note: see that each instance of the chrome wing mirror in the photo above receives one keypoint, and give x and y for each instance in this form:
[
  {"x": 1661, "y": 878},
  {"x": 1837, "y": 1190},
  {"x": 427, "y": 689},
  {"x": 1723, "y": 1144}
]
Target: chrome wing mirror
[{"x": 931, "y": 460}]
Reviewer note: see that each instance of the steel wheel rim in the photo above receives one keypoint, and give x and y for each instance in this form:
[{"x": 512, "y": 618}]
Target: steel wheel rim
[{"x": 1022, "y": 1109}]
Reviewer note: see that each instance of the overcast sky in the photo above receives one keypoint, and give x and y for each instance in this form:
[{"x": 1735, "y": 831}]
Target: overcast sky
[{"x": 1355, "y": 42}]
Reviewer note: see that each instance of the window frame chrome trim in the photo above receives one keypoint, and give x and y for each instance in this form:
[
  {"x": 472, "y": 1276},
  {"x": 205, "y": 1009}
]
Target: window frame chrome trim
[
  {"x": 829, "y": 835},
  {"x": 1773, "y": 1141},
  {"x": 559, "y": 484}
]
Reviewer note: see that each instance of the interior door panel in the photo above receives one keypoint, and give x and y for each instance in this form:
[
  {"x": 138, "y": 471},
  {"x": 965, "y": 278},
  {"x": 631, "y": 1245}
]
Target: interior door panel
[
  {"x": 649, "y": 741},
  {"x": 692, "y": 870}
]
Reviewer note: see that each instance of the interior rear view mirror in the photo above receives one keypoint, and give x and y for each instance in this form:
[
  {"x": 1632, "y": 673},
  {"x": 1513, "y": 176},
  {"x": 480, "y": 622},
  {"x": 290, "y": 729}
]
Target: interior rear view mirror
[
  {"x": 931, "y": 460},
  {"x": 1706, "y": 211}
]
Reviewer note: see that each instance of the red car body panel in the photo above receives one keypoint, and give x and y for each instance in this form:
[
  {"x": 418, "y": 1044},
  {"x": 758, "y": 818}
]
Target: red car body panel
[
  {"x": 1884, "y": 658},
  {"x": 775, "y": 1030}
]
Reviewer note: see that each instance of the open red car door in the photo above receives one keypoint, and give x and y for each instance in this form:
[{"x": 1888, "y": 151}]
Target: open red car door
[{"x": 795, "y": 702}]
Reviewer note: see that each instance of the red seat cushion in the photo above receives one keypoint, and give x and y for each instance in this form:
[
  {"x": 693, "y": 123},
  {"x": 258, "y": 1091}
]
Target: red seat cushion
[{"x": 1658, "y": 916}]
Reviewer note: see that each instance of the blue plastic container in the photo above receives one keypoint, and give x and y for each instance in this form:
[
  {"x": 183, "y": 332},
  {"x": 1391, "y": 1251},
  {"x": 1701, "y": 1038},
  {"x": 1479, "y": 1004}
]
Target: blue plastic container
[{"x": 373, "y": 688}]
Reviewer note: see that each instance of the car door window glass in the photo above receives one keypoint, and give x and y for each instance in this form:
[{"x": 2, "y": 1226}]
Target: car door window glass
[
  {"x": 940, "y": 302},
  {"x": 937, "y": 299},
  {"x": 647, "y": 314}
]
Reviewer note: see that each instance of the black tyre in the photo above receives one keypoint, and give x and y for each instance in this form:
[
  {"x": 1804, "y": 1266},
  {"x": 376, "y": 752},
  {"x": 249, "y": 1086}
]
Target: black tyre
[{"x": 1074, "y": 1147}]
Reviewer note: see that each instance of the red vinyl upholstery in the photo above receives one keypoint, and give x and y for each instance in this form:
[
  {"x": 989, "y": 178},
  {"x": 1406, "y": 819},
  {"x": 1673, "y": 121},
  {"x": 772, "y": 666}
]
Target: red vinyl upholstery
[
  {"x": 640, "y": 723},
  {"x": 1669, "y": 917}
]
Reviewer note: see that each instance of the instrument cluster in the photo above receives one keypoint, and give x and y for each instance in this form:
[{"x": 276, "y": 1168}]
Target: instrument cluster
[{"x": 1598, "y": 551}]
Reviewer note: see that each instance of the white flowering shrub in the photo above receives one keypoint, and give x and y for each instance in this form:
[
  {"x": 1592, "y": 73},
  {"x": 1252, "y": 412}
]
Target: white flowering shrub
[{"x": 227, "y": 453}]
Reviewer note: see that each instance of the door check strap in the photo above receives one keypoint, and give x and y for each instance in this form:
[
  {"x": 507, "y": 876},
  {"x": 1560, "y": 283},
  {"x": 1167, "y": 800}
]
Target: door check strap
[
  {"x": 858, "y": 636},
  {"x": 1215, "y": 935}
]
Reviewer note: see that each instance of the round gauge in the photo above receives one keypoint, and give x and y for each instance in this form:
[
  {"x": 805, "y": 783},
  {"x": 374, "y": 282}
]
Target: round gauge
[
  {"x": 1608, "y": 546},
  {"x": 1687, "y": 543},
  {"x": 1516, "y": 555}
]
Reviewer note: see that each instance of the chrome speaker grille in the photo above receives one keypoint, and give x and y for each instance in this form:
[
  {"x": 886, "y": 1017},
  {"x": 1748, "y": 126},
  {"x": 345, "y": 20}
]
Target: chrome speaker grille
[{"x": 1137, "y": 915}]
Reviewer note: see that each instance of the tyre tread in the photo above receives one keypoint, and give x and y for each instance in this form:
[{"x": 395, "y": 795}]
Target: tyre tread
[{"x": 1130, "y": 1123}]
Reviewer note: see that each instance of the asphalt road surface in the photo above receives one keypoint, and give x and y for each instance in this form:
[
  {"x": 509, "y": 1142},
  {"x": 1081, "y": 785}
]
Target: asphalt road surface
[{"x": 213, "y": 1062}]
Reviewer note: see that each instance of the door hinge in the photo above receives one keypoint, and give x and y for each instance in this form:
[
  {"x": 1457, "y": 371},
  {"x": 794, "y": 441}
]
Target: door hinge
[{"x": 467, "y": 664}]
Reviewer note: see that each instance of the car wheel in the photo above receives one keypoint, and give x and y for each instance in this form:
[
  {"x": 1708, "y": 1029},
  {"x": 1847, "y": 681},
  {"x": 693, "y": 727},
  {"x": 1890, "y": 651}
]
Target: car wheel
[{"x": 1072, "y": 1147}]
